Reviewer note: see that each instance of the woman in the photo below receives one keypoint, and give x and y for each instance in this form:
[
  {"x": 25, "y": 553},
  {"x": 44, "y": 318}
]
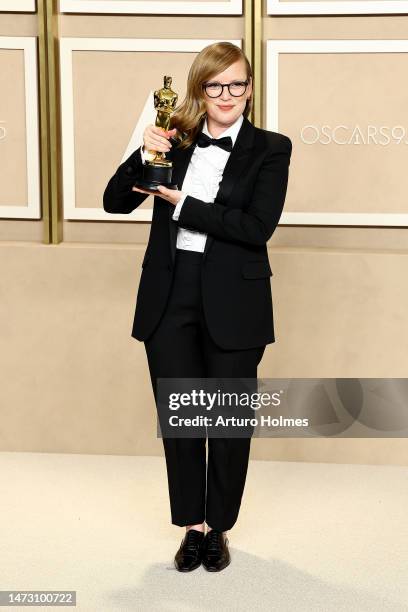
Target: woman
[{"x": 204, "y": 305}]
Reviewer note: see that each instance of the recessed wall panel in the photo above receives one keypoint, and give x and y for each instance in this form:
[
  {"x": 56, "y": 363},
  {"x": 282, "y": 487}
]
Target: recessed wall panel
[
  {"x": 342, "y": 104},
  {"x": 19, "y": 135},
  {"x": 107, "y": 90}
]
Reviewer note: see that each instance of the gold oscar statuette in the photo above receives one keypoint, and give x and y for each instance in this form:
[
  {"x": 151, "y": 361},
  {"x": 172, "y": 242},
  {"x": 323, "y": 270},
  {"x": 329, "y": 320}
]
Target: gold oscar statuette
[{"x": 157, "y": 170}]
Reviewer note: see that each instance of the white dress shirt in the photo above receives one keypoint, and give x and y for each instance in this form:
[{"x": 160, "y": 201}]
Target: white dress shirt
[{"x": 202, "y": 180}]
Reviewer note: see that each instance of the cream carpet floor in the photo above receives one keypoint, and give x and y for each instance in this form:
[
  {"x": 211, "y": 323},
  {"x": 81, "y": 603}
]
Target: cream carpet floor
[{"x": 310, "y": 536}]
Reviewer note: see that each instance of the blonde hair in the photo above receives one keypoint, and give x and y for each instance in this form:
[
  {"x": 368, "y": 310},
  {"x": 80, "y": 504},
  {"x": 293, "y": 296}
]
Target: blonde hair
[{"x": 189, "y": 116}]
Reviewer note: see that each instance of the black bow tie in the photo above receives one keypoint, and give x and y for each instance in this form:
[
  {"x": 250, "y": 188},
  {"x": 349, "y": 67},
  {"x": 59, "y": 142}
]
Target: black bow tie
[{"x": 224, "y": 143}]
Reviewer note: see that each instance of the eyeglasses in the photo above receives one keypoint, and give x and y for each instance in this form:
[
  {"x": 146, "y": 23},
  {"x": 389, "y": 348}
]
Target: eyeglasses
[{"x": 236, "y": 89}]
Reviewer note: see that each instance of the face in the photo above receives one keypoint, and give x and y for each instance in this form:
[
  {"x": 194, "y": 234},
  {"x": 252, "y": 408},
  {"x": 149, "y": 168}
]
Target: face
[{"x": 217, "y": 115}]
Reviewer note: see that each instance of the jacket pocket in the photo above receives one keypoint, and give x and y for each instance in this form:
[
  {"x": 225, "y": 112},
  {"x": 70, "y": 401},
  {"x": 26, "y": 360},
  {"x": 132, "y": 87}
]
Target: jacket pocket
[{"x": 256, "y": 269}]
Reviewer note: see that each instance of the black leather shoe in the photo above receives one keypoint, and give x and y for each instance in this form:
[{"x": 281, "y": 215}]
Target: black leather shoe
[
  {"x": 215, "y": 555},
  {"x": 188, "y": 556}
]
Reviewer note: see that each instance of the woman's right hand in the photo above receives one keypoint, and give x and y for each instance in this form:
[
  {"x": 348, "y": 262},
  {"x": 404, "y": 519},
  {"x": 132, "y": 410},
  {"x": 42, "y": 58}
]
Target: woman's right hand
[{"x": 156, "y": 139}]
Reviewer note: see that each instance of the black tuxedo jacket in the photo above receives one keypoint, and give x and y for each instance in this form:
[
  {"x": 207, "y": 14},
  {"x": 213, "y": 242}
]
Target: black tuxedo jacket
[{"x": 236, "y": 284}]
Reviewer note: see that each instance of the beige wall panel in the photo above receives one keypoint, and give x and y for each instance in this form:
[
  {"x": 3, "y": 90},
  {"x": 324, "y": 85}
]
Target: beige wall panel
[
  {"x": 73, "y": 380},
  {"x": 388, "y": 239},
  {"x": 159, "y": 26},
  {"x": 13, "y": 141},
  {"x": 351, "y": 173},
  {"x": 339, "y": 27},
  {"x": 110, "y": 91},
  {"x": 348, "y": 133},
  {"x": 22, "y": 229},
  {"x": 342, "y": 28},
  {"x": 18, "y": 24}
]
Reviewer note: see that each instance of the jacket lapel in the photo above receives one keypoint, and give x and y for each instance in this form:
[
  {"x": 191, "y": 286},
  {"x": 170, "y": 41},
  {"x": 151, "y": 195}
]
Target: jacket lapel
[{"x": 234, "y": 168}]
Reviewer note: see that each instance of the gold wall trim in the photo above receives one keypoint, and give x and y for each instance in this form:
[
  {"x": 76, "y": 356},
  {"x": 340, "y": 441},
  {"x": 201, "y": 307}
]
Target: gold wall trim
[
  {"x": 48, "y": 53},
  {"x": 248, "y": 38},
  {"x": 257, "y": 61},
  {"x": 44, "y": 127}
]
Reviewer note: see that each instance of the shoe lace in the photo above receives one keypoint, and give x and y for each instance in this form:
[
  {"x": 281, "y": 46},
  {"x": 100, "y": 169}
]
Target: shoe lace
[
  {"x": 192, "y": 540},
  {"x": 215, "y": 538}
]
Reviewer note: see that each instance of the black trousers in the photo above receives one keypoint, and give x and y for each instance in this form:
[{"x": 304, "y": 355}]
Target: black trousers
[{"x": 182, "y": 347}]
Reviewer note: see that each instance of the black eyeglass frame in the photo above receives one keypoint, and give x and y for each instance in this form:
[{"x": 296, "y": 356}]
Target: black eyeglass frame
[{"x": 246, "y": 82}]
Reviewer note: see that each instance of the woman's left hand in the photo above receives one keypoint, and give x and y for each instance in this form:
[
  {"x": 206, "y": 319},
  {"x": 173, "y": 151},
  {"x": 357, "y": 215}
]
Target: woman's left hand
[{"x": 171, "y": 195}]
